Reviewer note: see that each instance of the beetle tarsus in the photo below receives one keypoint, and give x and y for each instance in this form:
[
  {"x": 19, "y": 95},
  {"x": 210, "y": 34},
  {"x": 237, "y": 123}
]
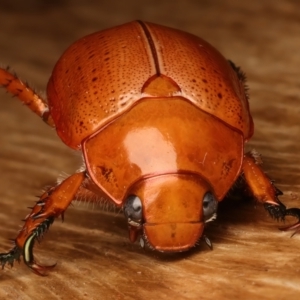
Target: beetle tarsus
[
  {"x": 277, "y": 212},
  {"x": 43, "y": 227},
  {"x": 294, "y": 212},
  {"x": 10, "y": 257},
  {"x": 27, "y": 251}
]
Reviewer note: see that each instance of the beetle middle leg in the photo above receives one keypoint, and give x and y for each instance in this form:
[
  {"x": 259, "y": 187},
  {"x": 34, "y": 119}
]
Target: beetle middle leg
[
  {"x": 12, "y": 83},
  {"x": 51, "y": 205},
  {"x": 265, "y": 191}
]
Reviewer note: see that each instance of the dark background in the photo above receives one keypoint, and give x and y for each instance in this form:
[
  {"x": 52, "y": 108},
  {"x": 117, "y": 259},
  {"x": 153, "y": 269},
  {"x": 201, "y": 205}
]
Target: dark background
[{"x": 251, "y": 257}]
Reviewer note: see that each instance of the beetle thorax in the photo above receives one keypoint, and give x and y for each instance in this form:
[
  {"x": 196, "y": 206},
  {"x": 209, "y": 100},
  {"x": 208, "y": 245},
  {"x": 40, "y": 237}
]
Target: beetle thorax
[{"x": 163, "y": 136}]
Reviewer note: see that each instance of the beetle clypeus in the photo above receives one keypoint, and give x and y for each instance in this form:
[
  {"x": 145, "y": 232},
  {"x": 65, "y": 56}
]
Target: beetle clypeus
[{"x": 161, "y": 118}]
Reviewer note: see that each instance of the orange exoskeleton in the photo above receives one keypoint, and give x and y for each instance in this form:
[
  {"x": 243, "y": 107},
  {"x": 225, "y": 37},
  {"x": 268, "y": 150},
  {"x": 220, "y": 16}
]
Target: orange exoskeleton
[{"x": 161, "y": 118}]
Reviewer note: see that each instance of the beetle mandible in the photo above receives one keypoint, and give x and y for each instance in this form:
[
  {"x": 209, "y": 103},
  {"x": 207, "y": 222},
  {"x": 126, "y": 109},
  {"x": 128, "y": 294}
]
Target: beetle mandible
[{"x": 161, "y": 118}]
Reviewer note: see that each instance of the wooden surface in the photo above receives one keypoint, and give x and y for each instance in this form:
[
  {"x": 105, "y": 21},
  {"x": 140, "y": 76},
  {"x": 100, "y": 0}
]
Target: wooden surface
[{"x": 251, "y": 257}]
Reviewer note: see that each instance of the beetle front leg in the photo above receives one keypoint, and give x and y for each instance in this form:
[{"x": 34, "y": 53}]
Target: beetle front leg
[
  {"x": 51, "y": 205},
  {"x": 265, "y": 191}
]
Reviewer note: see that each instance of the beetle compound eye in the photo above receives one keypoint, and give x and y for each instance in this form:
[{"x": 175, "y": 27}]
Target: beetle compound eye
[
  {"x": 210, "y": 205},
  {"x": 133, "y": 208}
]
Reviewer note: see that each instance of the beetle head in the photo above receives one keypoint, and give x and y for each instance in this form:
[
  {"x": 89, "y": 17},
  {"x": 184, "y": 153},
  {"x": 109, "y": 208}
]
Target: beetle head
[{"x": 170, "y": 211}]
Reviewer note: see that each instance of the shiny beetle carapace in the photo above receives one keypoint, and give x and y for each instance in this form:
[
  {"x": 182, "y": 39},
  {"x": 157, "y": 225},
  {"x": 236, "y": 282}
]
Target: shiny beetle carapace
[{"x": 161, "y": 118}]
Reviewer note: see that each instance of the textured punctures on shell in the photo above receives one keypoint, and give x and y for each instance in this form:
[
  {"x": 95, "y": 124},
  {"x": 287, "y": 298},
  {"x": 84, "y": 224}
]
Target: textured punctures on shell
[{"x": 207, "y": 80}]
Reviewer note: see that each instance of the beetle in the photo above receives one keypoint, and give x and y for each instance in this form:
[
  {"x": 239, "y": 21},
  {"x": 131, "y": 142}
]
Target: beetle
[{"x": 161, "y": 118}]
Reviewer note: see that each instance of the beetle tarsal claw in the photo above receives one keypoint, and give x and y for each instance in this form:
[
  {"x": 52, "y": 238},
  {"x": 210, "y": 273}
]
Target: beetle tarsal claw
[
  {"x": 39, "y": 269},
  {"x": 29, "y": 258},
  {"x": 294, "y": 212},
  {"x": 279, "y": 212},
  {"x": 207, "y": 242}
]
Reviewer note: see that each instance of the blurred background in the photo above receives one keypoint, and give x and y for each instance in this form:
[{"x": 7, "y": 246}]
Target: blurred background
[{"x": 251, "y": 257}]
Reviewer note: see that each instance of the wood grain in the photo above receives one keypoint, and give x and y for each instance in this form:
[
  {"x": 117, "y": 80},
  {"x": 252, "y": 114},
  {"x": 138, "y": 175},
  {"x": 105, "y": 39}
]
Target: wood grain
[{"x": 251, "y": 257}]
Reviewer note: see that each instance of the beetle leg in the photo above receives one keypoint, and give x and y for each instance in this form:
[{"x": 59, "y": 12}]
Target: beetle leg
[
  {"x": 295, "y": 212},
  {"x": 265, "y": 191},
  {"x": 27, "y": 95},
  {"x": 91, "y": 194},
  {"x": 51, "y": 205},
  {"x": 207, "y": 241}
]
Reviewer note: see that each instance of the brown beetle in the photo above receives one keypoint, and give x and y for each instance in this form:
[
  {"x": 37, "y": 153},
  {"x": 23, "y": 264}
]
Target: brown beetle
[{"x": 161, "y": 118}]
